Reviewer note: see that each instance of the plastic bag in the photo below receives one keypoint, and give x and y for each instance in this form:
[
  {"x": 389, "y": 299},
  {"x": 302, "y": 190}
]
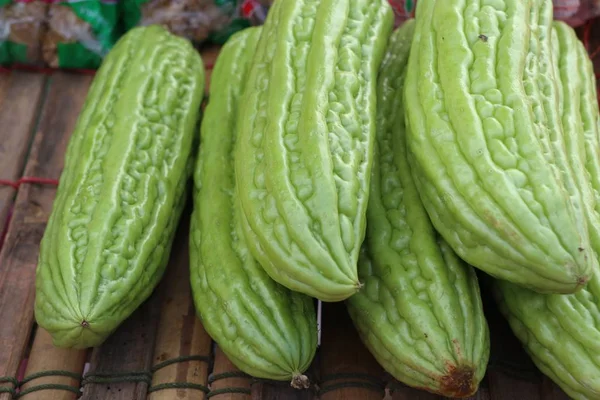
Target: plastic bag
[
  {"x": 196, "y": 20},
  {"x": 66, "y": 34},
  {"x": 22, "y": 28},
  {"x": 80, "y": 33}
]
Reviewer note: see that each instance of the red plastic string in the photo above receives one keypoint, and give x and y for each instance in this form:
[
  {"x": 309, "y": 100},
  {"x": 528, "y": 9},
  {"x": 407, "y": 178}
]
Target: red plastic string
[
  {"x": 22, "y": 369},
  {"x": 15, "y": 185},
  {"x": 28, "y": 179}
]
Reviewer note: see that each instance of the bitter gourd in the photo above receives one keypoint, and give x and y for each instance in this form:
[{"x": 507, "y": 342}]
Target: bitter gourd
[
  {"x": 305, "y": 143},
  {"x": 420, "y": 312},
  {"x": 562, "y": 332},
  {"x": 122, "y": 189},
  {"x": 578, "y": 104},
  {"x": 265, "y": 329},
  {"x": 487, "y": 145}
]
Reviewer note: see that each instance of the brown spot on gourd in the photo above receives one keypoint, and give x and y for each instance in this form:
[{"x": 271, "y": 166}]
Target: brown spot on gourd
[
  {"x": 85, "y": 324},
  {"x": 483, "y": 38},
  {"x": 459, "y": 382},
  {"x": 582, "y": 280}
]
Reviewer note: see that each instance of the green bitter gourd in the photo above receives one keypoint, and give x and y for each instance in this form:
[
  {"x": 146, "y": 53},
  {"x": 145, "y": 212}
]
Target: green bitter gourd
[
  {"x": 122, "y": 189},
  {"x": 420, "y": 312},
  {"x": 487, "y": 145},
  {"x": 266, "y": 330},
  {"x": 561, "y": 333},
  {"x": 305, "y": 144}
]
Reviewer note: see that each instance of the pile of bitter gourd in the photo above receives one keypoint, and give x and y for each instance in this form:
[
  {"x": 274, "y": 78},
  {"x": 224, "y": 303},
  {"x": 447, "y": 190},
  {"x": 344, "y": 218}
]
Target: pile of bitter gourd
[{"x": 342, "y": 160}]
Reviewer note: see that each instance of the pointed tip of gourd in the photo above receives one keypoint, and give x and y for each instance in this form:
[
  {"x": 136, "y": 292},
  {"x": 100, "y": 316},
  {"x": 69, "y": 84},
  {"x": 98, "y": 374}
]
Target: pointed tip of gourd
[
  {"x": 300, "y": 381},
  {"x": 459, "y": 382}
]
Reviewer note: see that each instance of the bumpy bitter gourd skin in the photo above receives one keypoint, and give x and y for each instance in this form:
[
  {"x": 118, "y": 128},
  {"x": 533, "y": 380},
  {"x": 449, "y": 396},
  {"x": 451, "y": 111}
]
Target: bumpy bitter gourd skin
[
  {"x": 561, "y": 333},
  {"x": 419, "y": 312},
  {"x": 305, "y": 146},
  {"x": 578, "y": 104},
  {"x": 267, "y": 330},
  {"x": 578, "y": 107},
  {"x": 487, "y": 144},
  {"x": 122, "y": 189}
]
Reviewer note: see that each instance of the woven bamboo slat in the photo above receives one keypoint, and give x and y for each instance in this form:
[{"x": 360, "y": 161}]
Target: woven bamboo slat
[
  {"x": 120, "y": 367},
  {"x": 18, "y": 256},
  {"x": 181, "y": 337},
  {"x": 69, "y": 91},
  {"x": 20, "y": 97},
  {"x": 46, "y": 359},
  {"x": 348, "y": 370},
  {"x": 227, "y": 381}
]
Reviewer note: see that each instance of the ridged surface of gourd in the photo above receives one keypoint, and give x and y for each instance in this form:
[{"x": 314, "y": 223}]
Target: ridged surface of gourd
[
  {"x": 265, "y": 329},
  {"x": 305, "y": 149},
  {"x": 487, "y": 145},
  {"x": 420, "y": 312},
  {"x": 578, "y": 103},
  {"x": 562, "y": 332},
  {"x": 122, "y": 189}
]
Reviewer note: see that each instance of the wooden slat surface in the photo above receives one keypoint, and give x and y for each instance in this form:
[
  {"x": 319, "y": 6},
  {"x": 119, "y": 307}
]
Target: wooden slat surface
[
  {"x": 403, "y": 392},
  {"x": 180, "y": 333},
  {"x": 20, "y": 97},
  {"x": 511, "y": 373},
  {"x": 280, "y": 390},
  {"x": 504, "y": 387},
  {"x": 128, "y": 350},
  {"x": 345, "y": 362},
  {"x": 18, "y": 258},
  {"x": 45, "y": 357},
  {"x": 230, "y": 388},
  {"x": 550, "y": 391}
]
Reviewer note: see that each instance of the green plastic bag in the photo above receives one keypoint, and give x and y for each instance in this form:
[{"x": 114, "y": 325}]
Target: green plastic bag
[
  {"x": 22, "y": 28},
  {"x": 199, "y": 21},
  {"x": 80, "y": 33},
  {"x": 58, "y": 34}
]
